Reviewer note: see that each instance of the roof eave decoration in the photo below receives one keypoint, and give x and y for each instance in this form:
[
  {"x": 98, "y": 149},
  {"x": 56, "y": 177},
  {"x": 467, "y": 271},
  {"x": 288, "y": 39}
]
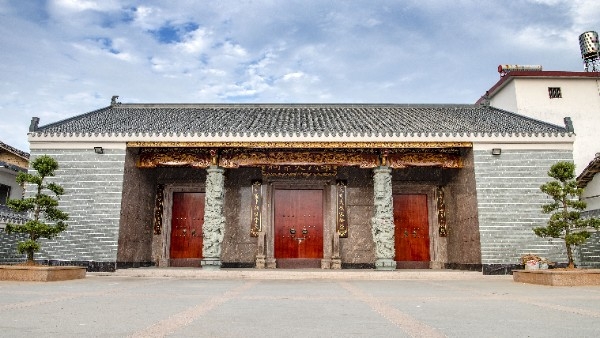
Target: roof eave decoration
[
  {"x": 300, "y": 141},
  {"x": 587, "y": 175}
]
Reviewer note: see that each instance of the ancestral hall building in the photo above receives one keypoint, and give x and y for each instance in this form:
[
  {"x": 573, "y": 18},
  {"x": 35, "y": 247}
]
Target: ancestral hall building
[{"x": 333, "y": 186}]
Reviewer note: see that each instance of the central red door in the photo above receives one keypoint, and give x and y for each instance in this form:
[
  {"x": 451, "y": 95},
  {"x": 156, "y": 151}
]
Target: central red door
[
  {"x": 298, "y": 228},
  {"x": 411, "y": 231},
  {"x": 186, "y": 229}
]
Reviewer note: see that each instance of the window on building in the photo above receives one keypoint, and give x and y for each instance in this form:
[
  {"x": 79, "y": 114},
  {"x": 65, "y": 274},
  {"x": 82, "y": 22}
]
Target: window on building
[
  {"x": 554, "y": 92},
  {"x": 4, "y": 194}
]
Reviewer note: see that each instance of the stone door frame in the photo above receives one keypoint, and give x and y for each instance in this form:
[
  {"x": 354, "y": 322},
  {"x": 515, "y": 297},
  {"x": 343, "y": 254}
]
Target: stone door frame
[
  {"x": 438, "y": 252},
  {"x": 329, "y": 206},
  {"x": 165, "y": 237}
]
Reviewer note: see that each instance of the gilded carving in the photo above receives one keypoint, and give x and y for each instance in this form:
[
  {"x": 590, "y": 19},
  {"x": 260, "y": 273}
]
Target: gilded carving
[
  {"x": 441, "y": 211},
  {"x": 158, "y": 209},
  {"x": 298, "y": 171},
  {"x": 240, "y": 158},
  {"x": 341, "y": 218},
  {"x": 444, "y": 160},
  {"x": 256, "y": 226},
  {"x": 174, "y": 157},
  {"x": 303, "y": 144}
]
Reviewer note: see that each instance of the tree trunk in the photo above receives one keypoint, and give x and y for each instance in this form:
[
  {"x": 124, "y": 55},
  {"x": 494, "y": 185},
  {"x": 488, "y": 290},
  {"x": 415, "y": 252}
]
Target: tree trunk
[
  {"x": 570, "y": 257},
  {"x": 30, "y": 260}
]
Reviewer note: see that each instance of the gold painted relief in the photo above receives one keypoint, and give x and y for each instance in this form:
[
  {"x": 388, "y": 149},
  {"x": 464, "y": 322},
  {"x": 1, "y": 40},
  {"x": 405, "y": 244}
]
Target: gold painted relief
[
  {"x": 158, "y": 209},
  {"x": 303, "y": 145},
  {"x": 299, "y": 171},
  {"x": 405, "y": 160},
  {"x": 243, "y": 158},
  {"x": 256, "y": 226},
  {"x": 174, "y": 157},
  {"x": 441, "y": 212},
  {"x": 341, "y": 217}
]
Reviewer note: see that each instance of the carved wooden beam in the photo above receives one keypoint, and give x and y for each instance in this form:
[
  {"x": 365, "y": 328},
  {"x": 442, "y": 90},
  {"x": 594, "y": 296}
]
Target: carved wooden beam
[
  {"x": 174, "y": 157},
  {"x": 303, "y": 145},
  {"x": 405, "y": 160},
  {"x": 236, "y": 159}
]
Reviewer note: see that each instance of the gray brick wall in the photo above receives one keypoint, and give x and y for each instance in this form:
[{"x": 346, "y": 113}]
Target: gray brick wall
[
  {"x": 93, "y": 186},
  {"x": 590, "y": 251},
  {"x": 509, "y": 204}
]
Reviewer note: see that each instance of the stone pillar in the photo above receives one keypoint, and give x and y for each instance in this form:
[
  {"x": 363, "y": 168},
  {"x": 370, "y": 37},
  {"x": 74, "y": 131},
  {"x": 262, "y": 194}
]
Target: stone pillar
[
  {"x": 382, "y": 225},
  {"x": 214, "y": 221}
]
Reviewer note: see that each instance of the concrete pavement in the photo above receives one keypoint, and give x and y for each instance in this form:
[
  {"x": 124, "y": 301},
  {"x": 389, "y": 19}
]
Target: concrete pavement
[{"x": 238, "y": 303}]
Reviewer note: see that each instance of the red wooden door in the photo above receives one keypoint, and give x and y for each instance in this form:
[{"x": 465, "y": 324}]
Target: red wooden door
[
  {"x": 186, "y": 229},
  {"x": 411, "y": 231},
  {"x": 298, "y": 228}
]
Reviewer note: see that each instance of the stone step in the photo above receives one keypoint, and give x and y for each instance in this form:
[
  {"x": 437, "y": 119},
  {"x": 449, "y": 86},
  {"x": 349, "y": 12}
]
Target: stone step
[{"x": 297, "y": 274}]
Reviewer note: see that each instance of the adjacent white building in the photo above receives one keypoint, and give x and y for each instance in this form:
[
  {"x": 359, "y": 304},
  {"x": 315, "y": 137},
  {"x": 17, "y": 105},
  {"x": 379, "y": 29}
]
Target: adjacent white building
[{"x": 550, "y": 96}]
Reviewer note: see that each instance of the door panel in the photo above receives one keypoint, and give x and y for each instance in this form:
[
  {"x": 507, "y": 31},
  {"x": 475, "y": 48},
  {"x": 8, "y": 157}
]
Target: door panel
[
  {"x": 298, "y": 224},
  {"x": 186, "y": 228},
  {"x": 411, "y": 230}
]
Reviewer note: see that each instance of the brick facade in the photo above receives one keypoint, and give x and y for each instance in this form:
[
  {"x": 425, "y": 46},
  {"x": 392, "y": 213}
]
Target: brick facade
[
  {"x": 93, "y": 186},
  {"x": 509, "y": 203}
]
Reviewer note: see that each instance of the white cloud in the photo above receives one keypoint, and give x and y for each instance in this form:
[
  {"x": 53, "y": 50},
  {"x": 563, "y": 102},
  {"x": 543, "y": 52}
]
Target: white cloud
[
  {"x": 195, "y": 42},
  {"x": 293, "y": 76}
]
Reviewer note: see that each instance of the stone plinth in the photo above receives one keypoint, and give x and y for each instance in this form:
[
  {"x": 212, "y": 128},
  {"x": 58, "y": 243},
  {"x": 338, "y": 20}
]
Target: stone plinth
[
  {"x": 556, "y": 277},
  {"x": 31, "y": 273}
]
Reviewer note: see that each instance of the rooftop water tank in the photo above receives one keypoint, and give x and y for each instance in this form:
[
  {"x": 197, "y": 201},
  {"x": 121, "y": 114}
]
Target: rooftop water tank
[{"x": 588, "y": 44}]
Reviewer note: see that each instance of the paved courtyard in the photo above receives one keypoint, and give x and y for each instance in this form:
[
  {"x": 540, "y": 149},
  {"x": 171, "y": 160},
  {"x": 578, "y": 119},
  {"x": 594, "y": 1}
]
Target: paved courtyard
[{"x": 242, "y": 305}]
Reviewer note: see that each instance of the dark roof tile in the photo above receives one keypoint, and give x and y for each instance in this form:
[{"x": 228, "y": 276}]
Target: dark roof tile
[{"x": 299, "y": 119}]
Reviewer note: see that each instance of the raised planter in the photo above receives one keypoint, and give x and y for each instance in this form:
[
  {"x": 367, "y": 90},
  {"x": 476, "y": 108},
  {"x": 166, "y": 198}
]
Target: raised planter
[
  {"x": 558, "y": 277},
  {"x": 40, "y": 273}
]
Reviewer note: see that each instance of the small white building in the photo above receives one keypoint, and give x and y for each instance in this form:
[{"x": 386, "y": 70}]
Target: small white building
[{"x": 550, "y": 96}]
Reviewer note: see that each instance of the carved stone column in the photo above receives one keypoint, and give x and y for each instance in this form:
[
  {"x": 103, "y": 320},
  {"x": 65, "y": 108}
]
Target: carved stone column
[
  {"x": 214, "y": 220},
  {"x": 382, "y": 225}
]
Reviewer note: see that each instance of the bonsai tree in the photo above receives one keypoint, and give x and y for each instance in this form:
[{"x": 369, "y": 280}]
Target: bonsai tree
[
  {"x": 565, "y": 210},
  {"x": 41, "y": 207}
]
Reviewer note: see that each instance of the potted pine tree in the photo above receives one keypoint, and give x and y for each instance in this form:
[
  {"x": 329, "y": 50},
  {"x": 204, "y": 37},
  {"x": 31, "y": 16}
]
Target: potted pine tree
[
  {"x": 565, "y": 222},
  {"x": 46, "y": 221}
]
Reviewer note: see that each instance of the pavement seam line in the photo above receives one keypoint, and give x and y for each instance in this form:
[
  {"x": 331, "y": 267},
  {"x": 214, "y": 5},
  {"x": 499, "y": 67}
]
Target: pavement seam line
[
  {"x": 57, "y": 298},
  {"x": 184, "y": 318},
  {"x": 561, "y": 308},
  {"x": 412, "y": 326}
]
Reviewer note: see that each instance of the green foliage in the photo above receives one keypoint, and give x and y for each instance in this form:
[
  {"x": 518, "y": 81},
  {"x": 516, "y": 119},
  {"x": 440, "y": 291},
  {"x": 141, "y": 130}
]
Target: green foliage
[
  {"x": 565, "y": 209},
  {"x": 42, "y": 206}
]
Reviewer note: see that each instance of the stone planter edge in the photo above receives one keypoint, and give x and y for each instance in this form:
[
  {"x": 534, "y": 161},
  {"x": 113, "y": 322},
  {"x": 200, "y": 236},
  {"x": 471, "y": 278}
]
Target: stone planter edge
[
  {"x": 40, "y": 273},
  {"x": 555, "y": 277}
]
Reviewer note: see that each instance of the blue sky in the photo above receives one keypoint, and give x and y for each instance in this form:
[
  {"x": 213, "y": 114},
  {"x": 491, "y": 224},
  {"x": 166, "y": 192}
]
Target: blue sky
[{"x": 62, "y": 58}]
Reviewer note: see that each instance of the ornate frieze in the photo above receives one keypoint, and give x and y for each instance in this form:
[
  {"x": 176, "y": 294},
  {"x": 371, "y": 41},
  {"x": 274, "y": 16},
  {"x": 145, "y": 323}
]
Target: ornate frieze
[
  {"x": 304, "y": 145},
  {"x": 299, "y": 171},
  {"x": 441, "y": 212},
  {"x": 341, "y": 218},
  {"x": 174, "y": 157},
  {"x": 382, "y": 224},
  {"x": 445, "y": 158},
  {"x": 158, "y": 209},
  {"x": 256, "y": 225},
  {"x": 214, "y": 221},
  {"x": 307, "y": 162},
  {"x": 234, "y": 158}
]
